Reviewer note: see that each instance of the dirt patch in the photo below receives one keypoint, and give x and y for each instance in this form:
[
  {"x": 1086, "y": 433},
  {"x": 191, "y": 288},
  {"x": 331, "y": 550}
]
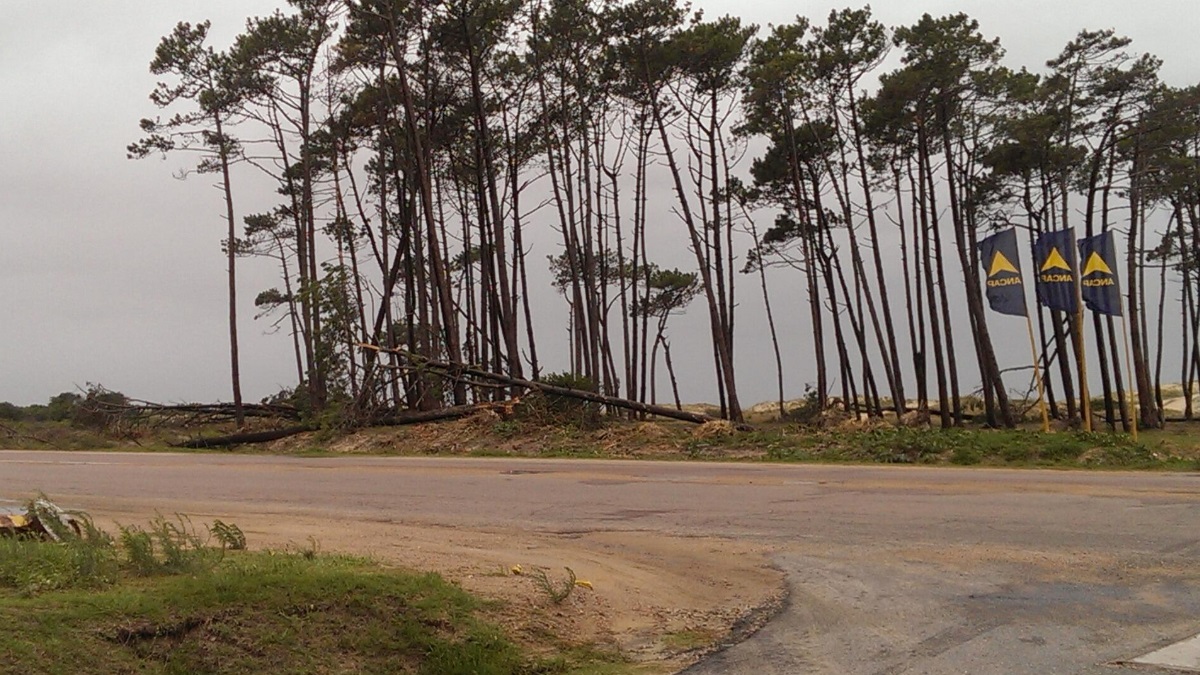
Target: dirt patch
[{"x": 642, "y": 592}]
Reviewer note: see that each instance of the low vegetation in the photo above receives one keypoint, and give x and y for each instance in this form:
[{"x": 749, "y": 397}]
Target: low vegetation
[
  {"x": 989, "y": 448},
  {"x": 172, "y": 598},
  {"x": 1177, "y": 448},
  {"x": 549, "y": 426}
]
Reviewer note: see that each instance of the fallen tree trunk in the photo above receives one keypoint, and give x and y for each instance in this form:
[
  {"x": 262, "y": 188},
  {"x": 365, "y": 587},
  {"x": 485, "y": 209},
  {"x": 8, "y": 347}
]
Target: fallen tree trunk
[
  {"x": 393, "y": 420},
  {"x": 244, "y": 438},
  {"x": 460, "y": 369},
  {"x": 419, "y": 416}
]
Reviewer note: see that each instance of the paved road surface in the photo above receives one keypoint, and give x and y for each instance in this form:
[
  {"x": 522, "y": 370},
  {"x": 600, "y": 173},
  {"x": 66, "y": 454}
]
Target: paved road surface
[{"x": 890, "y": 570}]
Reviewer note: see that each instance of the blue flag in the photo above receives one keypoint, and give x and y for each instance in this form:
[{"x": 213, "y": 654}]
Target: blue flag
[
  {"x": 1054, "y": 255},
  {"x": 1099, "y": 287},
  {"x": 1005, "y": 289}
]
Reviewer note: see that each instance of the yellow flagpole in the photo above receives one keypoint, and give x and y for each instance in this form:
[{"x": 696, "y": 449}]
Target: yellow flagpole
[
  {"x": 1037, "y": 374},
  {"x": 1133, "y": 408},
  {"x": 1086, "y": 408},
  {"x": 1085, "y": 394}
]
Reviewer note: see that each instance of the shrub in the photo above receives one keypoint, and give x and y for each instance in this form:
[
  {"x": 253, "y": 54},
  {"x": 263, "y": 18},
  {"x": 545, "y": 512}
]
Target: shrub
[
  {"x": 62, "y": 407},
  {"x": 808, "y": 412},
  {"x": 8, "y": 411},
  {"x": 80, "y": 559},
  {"x": 74, "y": 553},
  {"x": 565, "y": 409},
  {"x": 167, "y": 547}
]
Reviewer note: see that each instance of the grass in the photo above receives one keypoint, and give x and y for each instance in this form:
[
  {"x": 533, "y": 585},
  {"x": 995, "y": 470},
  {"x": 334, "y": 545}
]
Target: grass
[
  {"x": 962, "y": 447},
  {"x": 689, "y": 639},
  {"x": 1003, "y": 448},
  {"x": 55, "y": 436},
  {"x": 1176, "y": 448},
  {"x": 254, "y": 613},
  {"x": 161, "y": 599}
]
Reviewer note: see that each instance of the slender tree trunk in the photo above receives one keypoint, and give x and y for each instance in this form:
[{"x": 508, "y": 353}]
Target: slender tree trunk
[
  {"x": 931, "y": 252},
  {"x": 445, "y": 299},
  {"x": 988, "y": 366},
  {"x": 231, "y": 261},
  {"x": 762, "y": 279},
  {"x": 671, "y": 373},
  {"x": 896, "y": 377},
  {"x": 725, "y": 358}
]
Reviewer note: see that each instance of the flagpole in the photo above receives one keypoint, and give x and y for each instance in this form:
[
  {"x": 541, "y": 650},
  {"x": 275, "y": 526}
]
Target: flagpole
[
  {"x": 1086, "y": 402},
  {"x": 1037, "y": 374},
  {"x": 1133, "y": 408}
]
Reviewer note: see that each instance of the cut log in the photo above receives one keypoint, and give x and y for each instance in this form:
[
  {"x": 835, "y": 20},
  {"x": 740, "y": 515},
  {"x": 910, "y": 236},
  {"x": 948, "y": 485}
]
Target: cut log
[{"x": 460, "y": 369}]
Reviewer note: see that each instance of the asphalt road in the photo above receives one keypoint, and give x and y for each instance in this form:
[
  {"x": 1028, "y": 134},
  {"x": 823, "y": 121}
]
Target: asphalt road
[{"x": 889, "y": 569}]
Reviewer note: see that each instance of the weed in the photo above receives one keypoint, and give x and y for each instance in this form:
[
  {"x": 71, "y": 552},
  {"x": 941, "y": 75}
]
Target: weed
[
  {"x": 167, "y": 547},
  {"x": 557, "y": 592},
  {"x": 138, "y": 547},
  {"x": 308, "y": 552},
  {"x": 230, "y": 535}
]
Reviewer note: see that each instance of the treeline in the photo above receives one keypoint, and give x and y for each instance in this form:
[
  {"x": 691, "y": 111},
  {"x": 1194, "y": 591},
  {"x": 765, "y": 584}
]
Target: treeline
[
  {"x": 59, "y": 408},
  {"x": 68, "y": 406},
  {"x": 419, "y": 147}
]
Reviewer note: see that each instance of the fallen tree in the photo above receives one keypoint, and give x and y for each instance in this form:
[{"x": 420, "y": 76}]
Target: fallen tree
[
  {"x": 391, "y": 420},
  {"x": 456, "y": 372},
  {"x": 245, "y": 437},
  {"x": 105, "y": 412},
  {"x": 459, "y": 370}
]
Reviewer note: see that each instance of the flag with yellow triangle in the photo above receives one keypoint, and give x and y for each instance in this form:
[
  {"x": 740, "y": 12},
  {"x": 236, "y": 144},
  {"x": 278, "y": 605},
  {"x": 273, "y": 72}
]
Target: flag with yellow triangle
[
  {"x": 1055, "y": 262},
  {"x": 1004, "y": 288},
  {"x": 1098, "y": 284},
  {"x": 1058, "y": 273}
]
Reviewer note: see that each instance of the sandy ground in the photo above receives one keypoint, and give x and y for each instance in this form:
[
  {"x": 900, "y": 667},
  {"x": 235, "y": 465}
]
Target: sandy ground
[{"x": 659, "y": 600}]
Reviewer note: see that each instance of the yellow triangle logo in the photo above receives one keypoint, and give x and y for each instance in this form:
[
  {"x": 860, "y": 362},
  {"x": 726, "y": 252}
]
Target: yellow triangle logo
[
  {"x": 1055, "y": 261},
  {"x": 1096, "y": 264},
  {"x": 1002, "y": 264}
]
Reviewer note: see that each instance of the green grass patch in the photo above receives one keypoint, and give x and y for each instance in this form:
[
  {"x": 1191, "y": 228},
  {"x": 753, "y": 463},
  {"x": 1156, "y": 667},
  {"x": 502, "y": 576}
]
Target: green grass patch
[
  {"x": 166, "y": 598},
  {"x": 689, "y": 639},
  {"x": 255, "y": 613},
  {"x": 55, "y": 435},
  {"x": 968, "y": 447}
]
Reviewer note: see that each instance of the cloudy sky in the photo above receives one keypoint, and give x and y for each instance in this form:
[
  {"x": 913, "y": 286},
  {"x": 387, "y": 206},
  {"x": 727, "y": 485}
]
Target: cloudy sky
[{"x": 110, "y": 269}]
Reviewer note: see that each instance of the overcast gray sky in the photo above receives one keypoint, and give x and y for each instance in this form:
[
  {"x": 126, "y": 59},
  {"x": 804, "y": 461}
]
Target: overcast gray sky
[{"x": 110, "y": 269}]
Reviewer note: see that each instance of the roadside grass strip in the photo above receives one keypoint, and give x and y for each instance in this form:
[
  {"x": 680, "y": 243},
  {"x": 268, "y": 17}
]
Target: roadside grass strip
[{"x": 161, "y": 599}]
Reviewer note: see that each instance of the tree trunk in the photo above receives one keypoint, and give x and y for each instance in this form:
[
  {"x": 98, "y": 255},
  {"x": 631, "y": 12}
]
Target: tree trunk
[{"x": 231, "y": 260}]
